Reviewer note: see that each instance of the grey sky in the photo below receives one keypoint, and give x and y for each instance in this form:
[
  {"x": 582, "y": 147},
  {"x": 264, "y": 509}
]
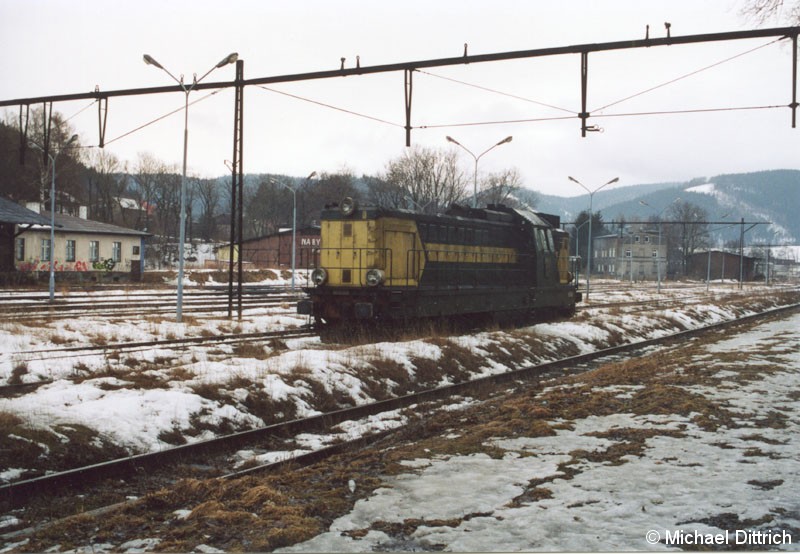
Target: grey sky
[{"x": 56, "y": 47}]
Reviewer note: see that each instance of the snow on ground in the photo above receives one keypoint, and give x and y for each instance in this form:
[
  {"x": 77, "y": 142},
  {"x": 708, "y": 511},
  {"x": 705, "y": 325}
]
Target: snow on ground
[
  {"x": 689, "y": 484},
  {"x": 141, "y": 399}
]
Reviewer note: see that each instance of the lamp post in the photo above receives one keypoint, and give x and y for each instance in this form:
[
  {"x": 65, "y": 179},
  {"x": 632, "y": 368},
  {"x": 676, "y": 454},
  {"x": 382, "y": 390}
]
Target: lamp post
[
  {"x": 52, "y": 285},
  {"x": 591, "y": 201},
  {"x": 476, "y": 158},
  {"x": 660, "y": 225},
  {"x": 294, "y": 219},
  {"x": 578, "y": 244},
  {"x": 230, "y": 58}
]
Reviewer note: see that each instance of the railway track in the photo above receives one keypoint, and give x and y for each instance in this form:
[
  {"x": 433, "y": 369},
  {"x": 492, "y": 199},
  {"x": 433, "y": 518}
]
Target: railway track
[
  {"x": 30, "y": 307},
  {"x": 139, "y": 346},
  {"x": 19, "y": 494}
]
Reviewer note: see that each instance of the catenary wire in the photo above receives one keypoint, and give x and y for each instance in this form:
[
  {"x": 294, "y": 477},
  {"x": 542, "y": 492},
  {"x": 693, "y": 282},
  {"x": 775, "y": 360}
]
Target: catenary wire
[
  {"x": 687, "y": 75},
  {"x": 494, "y": 91},
  {"x": 324, "y": 105},
  {"x": 631, "y": 114},
  {"x": 76, "y": 114},
  {"x": 166, "y": 115}
]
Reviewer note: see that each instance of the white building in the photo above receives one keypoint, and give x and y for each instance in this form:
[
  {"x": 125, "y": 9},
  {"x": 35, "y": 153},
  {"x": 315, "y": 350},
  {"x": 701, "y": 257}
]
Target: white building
[
  {"x": 634, "y": 254},
  {"x": 81, "y": 245}
]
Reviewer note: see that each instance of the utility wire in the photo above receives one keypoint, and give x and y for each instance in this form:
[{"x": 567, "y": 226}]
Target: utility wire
[
  {"x": 166, "y": 115},
  {"x": 76, "y": 114},
  {"x": 690, "y": 111},
  {"x": 487, "y": 89},
  {"x": 695, "y": 72},
  {"x": 332, "y": 107},
  {"x": 631, "y": 114},
  {"x": 496, "y": 122}
]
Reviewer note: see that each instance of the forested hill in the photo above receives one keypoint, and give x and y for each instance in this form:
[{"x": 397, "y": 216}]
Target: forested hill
[{"x": 772, "y": 196}]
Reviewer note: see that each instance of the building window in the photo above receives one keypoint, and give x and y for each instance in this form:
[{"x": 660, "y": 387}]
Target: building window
[
  {"x": 647, "y": 239},
  {"x": 70, "y": 250},
  {"x": 116, "y": 251},
  {"x": 135, "y": 251},
  {"x": 45, "y": 257},
  {"x": 636, "y": 238},
  {"x": 627, "y": 253},
  {"x": 655, "y": 253},
  {"x": 94, "y": 250},
  {"x": 19, "y": 249}
]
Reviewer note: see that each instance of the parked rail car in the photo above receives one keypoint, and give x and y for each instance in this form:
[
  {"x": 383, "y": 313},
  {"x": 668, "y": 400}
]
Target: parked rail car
[{"x": 380, "y": 265}]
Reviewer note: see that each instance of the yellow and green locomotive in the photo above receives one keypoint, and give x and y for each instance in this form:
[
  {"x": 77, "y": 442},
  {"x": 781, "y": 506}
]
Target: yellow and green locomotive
[{"x": 383, "y": 265}]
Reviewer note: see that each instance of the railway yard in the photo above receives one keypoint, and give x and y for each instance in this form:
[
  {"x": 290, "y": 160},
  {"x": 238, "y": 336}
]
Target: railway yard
[{"x": 647, "y": 421}]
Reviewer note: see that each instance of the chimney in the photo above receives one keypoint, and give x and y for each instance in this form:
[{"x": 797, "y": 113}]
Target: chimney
[
  {"x": 83, "y": 212},
  {"x": 34, "y": 207}
]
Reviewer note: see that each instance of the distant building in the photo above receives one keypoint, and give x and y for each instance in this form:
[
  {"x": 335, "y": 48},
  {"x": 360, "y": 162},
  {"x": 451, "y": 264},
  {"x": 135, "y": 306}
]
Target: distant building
[
  {"x": 723, "y": 265},
  {"x": 633, "y": 254},
  {"x": 275, "y": 250},
  {"x": 81, "y": 245}
]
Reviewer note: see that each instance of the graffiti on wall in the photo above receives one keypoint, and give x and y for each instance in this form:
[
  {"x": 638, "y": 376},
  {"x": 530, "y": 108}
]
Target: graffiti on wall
[{"x": 38, "y": 265}]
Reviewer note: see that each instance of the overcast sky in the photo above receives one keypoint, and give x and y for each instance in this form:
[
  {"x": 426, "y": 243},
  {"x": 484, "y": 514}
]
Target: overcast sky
[{"x": 58, "y": 47}]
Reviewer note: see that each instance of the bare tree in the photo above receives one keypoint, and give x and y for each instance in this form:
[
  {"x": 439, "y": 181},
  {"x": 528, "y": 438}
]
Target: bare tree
[
  {"x": 430, "y": 179},
  {"x": 265, "y": 207},
  {"x": 761, "y": 11},
  {"x": 148, "y": 167},
  {"x": 208, "y": 193},
  {"x": 107, "y": 185},
  {"x": 689, "y": 232},
  {"x": 32, "y": 181},
  {"x": 499, "y": 188},
  {"x": 383, "y": 193}
]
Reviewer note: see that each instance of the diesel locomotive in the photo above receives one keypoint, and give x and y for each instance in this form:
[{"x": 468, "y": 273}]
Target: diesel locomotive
[{"x": 379, "y": 265}]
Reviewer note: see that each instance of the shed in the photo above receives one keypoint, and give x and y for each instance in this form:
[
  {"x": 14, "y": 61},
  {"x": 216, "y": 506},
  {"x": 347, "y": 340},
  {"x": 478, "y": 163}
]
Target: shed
[{"x": 275, "y": 250}]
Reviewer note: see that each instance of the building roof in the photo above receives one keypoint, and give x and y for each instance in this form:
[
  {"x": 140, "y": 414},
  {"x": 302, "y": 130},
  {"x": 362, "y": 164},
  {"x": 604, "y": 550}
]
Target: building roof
[
  {"x": 11, "y": 212},
  {"x": 72, "y": 224}
]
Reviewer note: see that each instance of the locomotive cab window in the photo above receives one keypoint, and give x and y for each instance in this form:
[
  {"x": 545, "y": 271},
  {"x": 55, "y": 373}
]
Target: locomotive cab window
[{"x": 550, "y": 245}]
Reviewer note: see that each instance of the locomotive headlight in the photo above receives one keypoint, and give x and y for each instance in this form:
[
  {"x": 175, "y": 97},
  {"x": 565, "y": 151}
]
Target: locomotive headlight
[
  {"x": 374, "y": 277},
  {"x": 319, "y": 276},
  {"x": 348, "y": 206}
]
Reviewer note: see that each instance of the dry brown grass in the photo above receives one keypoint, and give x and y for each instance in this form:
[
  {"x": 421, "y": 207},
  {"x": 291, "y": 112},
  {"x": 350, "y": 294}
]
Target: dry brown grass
[
  {"x": 250, "y": 350},
  {"x": 67, "y": 446}
]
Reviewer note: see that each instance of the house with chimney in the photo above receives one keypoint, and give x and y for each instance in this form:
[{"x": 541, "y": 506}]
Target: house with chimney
[{"x": 81, "y": 245}]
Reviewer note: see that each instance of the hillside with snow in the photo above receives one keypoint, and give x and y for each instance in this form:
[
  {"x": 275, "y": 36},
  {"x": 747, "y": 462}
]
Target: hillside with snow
[{"x": 772, "y": 197}]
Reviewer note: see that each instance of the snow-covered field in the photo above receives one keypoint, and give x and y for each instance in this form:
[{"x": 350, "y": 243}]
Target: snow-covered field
[
  {"x": 142, "y": 401},
  {"x": 691, "y": 486},
  {"x": 601, "y": 480}
]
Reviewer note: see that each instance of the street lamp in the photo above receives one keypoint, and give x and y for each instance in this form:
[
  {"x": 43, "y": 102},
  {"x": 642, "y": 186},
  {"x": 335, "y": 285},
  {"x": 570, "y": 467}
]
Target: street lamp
[
  {"x": 230, "y": 58},
  {"x": 72, "y": 139},
  {"x": 660, "y": 225},
  {"x": 591, "y": 201},
  {"x": 294, "y": 218},
  {"x": 476, "y": 158},
  {"x": 578, "y": 245}
]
